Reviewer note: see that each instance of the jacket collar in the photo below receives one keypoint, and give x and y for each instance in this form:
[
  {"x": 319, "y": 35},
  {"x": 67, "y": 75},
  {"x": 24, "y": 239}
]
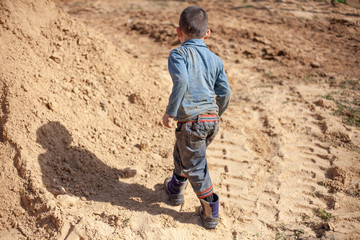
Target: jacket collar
[{"x": 194, "y": 41}]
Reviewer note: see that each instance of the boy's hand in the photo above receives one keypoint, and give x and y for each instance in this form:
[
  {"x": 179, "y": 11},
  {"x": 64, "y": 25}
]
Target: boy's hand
[{"x": 167, "y": 120}]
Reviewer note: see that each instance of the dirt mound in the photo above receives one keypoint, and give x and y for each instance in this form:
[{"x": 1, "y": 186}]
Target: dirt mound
[{"x": 64, "y": 90}]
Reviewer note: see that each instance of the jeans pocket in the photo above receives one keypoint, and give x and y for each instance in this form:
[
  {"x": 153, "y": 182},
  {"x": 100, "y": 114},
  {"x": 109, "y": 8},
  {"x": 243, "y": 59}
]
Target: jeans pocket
[{"x": 198, "y": 130}]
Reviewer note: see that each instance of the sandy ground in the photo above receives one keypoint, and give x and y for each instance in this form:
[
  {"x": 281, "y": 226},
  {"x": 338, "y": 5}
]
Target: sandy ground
[{"x": 84, "y": 85}]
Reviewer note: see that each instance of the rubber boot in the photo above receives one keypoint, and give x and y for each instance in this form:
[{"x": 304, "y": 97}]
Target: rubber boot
[
  {"x": 210, "y": 212},
  {"x": 175, "y": 189}
]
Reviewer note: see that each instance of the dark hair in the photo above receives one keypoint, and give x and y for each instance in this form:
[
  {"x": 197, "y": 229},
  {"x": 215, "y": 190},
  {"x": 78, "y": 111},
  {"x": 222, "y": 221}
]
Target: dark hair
[{"x": 194, "y": 21}]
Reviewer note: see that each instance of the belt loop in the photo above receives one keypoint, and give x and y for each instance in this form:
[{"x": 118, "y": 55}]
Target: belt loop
[{"x": 198, "y": 121}]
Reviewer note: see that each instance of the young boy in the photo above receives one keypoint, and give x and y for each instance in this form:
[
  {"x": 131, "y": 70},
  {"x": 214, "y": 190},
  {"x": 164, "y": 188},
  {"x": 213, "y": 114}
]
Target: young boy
[{"x": 200, "y": 95}]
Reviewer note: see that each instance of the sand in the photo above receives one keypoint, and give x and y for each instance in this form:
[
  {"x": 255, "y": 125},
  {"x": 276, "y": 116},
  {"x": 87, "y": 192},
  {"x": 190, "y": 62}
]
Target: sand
[{"x": 83, "y": 153}]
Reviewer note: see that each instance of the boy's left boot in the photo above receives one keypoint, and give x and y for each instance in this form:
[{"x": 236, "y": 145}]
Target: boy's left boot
[
  {"x": 210, "y": 212},
  {"x": 175, "y": 189}
]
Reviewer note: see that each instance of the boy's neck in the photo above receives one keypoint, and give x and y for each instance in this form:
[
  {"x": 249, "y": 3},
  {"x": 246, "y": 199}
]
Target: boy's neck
[
  {"x": 187, "y": 39},
  {"x": 183, "y": 37}
]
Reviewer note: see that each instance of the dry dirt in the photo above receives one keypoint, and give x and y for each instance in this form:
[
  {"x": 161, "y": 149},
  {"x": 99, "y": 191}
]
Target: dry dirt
[{"x": 84, "y": 85}]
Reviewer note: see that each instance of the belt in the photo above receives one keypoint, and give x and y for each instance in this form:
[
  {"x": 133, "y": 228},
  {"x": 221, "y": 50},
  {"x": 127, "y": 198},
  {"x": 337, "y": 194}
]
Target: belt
[{"x": 203, "y": 118}]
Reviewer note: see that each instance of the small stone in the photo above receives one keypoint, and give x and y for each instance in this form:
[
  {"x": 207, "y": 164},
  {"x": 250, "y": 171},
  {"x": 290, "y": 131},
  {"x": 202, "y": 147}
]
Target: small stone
[
  {"x": 103, "y": 106},
  {"x": 82, "y": 41},
  {"x": 128, "y": 172},
  {"x": 117, "y": 122},
  {"x": 24, "y": 88},
  {"x": 55, "y": 58},
  {"x": 319, "y": 103},
  {"x": 50, "y": 105},
  {"x": 113, "y": 150},
  {"x": 135, "y": 98},
  {"x": 66, "y": 201},
  {"x": 222, "y": 135},
  {"x": 63, "y": 191},
  {"x": 76, "y": 90},
  {"x": 144, "y": 144},
  {"x": 314, "y": 64}
]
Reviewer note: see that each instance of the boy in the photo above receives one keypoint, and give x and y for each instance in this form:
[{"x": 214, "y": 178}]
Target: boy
[{"x": 198, "y": 79}]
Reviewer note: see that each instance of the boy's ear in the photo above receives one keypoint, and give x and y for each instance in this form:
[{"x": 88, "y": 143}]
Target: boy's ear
[
  {"x": 179, "y": 32},
  {"x": 207, "y": 34}
]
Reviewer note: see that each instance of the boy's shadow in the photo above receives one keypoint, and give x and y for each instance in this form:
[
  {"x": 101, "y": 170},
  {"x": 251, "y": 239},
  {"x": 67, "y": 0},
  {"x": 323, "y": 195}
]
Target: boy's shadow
[{"x": 75, "y": 171}]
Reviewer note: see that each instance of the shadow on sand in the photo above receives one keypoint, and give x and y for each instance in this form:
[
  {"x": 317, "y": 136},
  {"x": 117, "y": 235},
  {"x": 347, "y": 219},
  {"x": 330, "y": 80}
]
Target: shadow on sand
[{"x": 76, "y": 171}]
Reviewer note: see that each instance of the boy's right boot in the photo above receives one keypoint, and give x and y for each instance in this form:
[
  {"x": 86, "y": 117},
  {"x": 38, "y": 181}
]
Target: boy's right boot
[
  {"x": 175, "y": 189},
  {"x": 210, "y": 212}
]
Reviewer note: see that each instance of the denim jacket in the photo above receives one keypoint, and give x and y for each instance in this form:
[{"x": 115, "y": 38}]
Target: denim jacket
[{"x": 200, "y": 84}]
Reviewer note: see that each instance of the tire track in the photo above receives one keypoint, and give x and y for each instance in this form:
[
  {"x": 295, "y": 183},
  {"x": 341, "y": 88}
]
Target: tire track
[
  {"x": 269, "y": 163},
  {"x": 240, "y": 162}
]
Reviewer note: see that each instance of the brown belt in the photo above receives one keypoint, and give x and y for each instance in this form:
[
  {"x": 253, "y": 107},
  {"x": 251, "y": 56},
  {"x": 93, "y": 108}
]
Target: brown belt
[{"x": 203, "y": 118}]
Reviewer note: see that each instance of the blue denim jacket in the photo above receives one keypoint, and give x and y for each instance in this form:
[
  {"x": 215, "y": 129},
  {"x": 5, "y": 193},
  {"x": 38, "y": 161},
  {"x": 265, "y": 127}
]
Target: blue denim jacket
[{"x": 200, "y": 84}]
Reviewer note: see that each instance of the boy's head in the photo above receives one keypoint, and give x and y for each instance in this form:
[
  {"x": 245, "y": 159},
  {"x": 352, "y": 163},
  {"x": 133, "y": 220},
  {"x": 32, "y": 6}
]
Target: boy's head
[{"x": 194, "y": 22}]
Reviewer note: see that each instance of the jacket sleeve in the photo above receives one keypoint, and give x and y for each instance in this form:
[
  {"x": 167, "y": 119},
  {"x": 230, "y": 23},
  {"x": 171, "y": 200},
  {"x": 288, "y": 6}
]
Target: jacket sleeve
[
  {"x": 179, "y": 75},
  {"x": 222, "y": 90}
]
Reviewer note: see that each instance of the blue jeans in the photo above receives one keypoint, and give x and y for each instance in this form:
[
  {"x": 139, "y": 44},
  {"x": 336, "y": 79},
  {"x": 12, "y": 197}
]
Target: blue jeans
[{"x": 190, "y": 161}]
